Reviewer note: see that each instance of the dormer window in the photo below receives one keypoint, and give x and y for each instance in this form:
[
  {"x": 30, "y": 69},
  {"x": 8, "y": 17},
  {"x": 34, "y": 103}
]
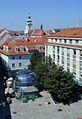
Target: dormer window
[
  {"x": 76, "y": 41},
  {"x": 64, "y": 40},
  {"x": 51, "y": 39},
  {"x": 70, "y": 41},
  {"x": 22, "y": 48},
  {"x": 5, "y": 48},
  {"x": 35, "y": 40},
  {"x": 60, "y": 40},
  {"x": 56, "y": 40},
  {"x": 28, "y": 40},
  {"x": 16, "y": 49}
]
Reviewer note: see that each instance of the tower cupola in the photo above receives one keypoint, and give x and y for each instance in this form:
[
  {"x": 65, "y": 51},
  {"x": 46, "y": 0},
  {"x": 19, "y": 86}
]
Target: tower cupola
[{"x": 28, "y": 24}]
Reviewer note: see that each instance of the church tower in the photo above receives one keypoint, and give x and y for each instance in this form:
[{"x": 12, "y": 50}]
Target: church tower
[{"x": 28, "y": 24}]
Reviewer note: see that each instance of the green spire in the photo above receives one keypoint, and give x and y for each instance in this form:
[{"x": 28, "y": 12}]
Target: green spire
[{"x": 29, "y": 21}]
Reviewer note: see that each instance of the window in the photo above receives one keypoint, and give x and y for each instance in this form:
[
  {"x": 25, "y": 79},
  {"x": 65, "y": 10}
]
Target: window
[
  {"x": 76, "y": 41},
  {"x": 80, "y": 52},
  {"x": 51, "y": 39},
  {"x": 74, "y": 63},
  {"x": 62, "y": 51},
  {"x": 70, "y": 41},
  {"x": 53, "y": 49},
  {"x": 58, "y": 57},
  {"x": 64, "y": 40},
  {"x": 68, "y": 52},
  {"x": 13, "y": 57},
  {"x": 13, "y": 65},
  {"x": 16, "y": 49},
  {"x": 74, "y": 52},
  {"x": 57, "y": 50},
  {"x": 56, "y": 40},
  {"x": 20, "y": 57},
  {"x": 22, "y": 48},
  {"x": 53, "y": 56},
  {"x": 20, "y": 64},
  {"x": 68, "y": 69},
  {"x": 60, "y": 40}
]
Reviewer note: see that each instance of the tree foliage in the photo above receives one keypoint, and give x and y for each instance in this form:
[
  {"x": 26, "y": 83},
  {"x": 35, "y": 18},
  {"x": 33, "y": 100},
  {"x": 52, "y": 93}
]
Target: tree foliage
[
  {"x": 55, "y": 79},
  {"x": 35, "y": 57}
]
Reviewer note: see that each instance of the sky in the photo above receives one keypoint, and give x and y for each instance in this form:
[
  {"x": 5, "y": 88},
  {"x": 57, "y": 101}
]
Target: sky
[{"x": 50, "y": 13}]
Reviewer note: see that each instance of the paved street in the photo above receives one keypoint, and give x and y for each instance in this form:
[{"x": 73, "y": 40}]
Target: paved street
[{"x": 39, "y": 110}]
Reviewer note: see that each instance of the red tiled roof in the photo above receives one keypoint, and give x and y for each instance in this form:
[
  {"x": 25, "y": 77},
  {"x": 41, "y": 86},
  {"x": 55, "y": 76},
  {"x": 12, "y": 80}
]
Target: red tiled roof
[
  {"x": 7, "y": 41},
  {"x": 14, "y": 33},
  {"x": 50, "y": 32},
  {"x": 30, "y": 32},
  {"x": 12, "y": 47},
  {"x": 69, "y": 32},
  {"x": 18, "y": 42},
  {"x": 36, "y": 32},
  {"x": 37, "y": 40}
]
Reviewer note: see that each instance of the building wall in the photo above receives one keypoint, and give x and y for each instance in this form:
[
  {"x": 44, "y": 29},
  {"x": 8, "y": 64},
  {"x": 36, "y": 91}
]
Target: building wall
[
  {"x": 16, "y": 62},
  {"x": 68, "y": 57}
]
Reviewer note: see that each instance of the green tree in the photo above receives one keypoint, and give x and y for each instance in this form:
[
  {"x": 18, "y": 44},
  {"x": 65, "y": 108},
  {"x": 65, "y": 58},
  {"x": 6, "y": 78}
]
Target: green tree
[
  {"x": 42, "y": 68},
  {"x": 54, "y": 78},
  {"x": 60, "y": 83},
  {"x": 40, "y": 71},
  {"x": 36, "y": 56}
]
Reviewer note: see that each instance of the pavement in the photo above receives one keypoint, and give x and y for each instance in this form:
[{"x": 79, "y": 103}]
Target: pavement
[{"x": 38, "y": 109}]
